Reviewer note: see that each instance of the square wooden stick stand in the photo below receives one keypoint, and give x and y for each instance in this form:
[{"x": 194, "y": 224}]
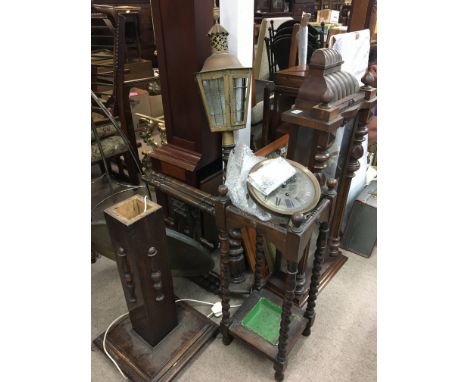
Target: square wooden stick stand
[{"x": 157, "y": 338}]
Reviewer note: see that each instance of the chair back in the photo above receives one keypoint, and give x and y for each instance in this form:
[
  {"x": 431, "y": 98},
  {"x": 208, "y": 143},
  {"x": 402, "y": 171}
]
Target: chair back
[{"x": 278, "y": 45}]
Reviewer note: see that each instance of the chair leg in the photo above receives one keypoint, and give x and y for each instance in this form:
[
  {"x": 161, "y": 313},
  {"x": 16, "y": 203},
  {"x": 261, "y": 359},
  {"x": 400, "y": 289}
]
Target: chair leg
[
  {"x": 102, "y": 167},
  {"x": 93, "y": 257},
  {"x": 266, "y": 113},
  {"x": 132, "y": 170}
]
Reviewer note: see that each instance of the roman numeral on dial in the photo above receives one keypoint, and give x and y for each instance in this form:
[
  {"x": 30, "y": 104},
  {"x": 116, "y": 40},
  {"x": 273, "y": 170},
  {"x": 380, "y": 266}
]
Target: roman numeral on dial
[{"x": 289, "y": 203}]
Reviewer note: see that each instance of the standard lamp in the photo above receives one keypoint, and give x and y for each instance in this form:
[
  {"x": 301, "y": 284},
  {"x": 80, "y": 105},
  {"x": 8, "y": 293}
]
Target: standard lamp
[{"x": 225, "y": 87}]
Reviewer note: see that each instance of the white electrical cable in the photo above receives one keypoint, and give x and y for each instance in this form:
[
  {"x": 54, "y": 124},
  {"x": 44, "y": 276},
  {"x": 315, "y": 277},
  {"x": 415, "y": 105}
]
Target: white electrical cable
[
  {"x": 114, "y": 194},
  {"x": 200, "y": 302},
  {"x": 125, "y": 314},
  {"x": 104, "y": 344},
  {"x": 98, "y": 178}
]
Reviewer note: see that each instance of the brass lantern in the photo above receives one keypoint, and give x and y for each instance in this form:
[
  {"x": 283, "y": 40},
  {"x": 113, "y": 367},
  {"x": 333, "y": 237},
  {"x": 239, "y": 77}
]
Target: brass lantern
[{"x": 225, "y": 88}]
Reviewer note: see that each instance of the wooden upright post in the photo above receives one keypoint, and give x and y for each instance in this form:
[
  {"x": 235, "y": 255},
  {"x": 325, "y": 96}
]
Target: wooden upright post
[{"x": 363, "y": 16}]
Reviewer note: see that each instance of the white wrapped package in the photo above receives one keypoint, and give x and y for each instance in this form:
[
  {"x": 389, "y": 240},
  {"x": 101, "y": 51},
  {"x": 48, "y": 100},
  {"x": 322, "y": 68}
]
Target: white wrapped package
[
  {"x": 354, "y": 49},
  {"x": 271, "y": 175},
  {"x": 241, "y": 160}
]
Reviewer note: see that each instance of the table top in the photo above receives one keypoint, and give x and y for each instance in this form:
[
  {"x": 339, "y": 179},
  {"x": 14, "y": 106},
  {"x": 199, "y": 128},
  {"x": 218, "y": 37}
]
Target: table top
[
  {"x": 291, "y": 77},
  {"x": 298, "y": 70}
]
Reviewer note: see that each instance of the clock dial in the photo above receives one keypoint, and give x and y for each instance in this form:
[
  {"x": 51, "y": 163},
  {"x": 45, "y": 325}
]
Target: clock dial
[{"x": 300, "y": 193}]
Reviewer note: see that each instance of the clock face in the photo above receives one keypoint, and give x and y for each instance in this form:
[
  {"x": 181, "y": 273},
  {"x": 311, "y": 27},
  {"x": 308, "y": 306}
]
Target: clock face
[{"x": 300, "y": 193}]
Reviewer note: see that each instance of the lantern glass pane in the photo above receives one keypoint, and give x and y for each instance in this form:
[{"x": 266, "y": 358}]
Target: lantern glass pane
[
  {"x": 214, "y": 94},
  {"x": 238, "y": 107}
]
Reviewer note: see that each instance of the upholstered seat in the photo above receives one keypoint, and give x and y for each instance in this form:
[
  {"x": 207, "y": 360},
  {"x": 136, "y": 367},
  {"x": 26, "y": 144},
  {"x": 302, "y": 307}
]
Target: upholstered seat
[
  {"x": 103, "y": 131},
  {"x": 111, "y": 146}
]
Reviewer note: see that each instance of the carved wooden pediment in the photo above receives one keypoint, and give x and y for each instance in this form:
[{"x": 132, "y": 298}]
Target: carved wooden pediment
[{"x": 325, "y": 82}]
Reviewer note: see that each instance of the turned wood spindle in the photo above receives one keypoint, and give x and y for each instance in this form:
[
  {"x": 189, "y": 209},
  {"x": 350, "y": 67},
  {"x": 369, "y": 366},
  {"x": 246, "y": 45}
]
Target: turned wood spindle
[
  {"x": 315, "y": 278},
  {"x": 236, "y": 256},
  {"x": 356, "y": 151},
  {"x": 259, "y": 282},
  {"x": 225, "y": 276},
  {"x": 331, "y": 194},
  {"x": 321, "y": 158},
  {"x": 155, "y": 275},
  {"x": 301, "y": 274},
  {"x": 123, "y": 261},
  {"x": 290, "y": 286},
  {"x": 297, "y": 219}
]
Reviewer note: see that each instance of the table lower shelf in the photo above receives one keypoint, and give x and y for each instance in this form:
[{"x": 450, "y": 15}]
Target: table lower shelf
[{"x": 238, "y": 330}]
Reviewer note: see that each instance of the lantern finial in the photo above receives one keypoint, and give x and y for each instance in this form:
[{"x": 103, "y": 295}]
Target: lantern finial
[{"x": 218, "y": 39}]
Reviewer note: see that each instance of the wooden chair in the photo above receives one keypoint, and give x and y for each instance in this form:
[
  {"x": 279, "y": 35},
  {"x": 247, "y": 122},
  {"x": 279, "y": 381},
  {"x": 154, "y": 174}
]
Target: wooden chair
[
  {"x": 281, "y": 46},
  {"x": 261, "y": 116},
  {"x": 108, "y": 59}
]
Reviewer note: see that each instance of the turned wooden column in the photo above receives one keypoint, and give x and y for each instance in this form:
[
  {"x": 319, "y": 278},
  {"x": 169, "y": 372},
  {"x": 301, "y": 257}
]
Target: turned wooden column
[
  {"x": 137, "y": 230},
  {"x": 259, "y": 281},
  {"x": 280, "y": 363},
  {"x": 236, "y": 256},
  {"x": 314, "y": 282},
  {"x": 301, "y": 274},
  {"x": 355, "y": 152},
  {"x": 224, "y": 263}
]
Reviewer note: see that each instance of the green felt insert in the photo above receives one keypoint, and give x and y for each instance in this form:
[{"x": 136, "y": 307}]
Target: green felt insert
[{"x": 264, "y": 320}]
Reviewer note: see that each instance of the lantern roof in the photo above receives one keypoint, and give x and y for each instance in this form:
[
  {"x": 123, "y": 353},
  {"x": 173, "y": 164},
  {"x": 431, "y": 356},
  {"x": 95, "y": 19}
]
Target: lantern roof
[{"x": 220, "y": 58}]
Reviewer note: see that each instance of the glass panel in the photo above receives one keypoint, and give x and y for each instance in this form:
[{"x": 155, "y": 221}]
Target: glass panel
[
  {"x": 214, "y": 93},
  {"x": 238, "y": 109},
  {"x": 344, "y": 144}
]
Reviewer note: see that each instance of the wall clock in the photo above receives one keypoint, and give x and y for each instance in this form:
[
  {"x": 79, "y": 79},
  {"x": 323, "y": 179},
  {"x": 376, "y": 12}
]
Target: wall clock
[{"x": 300, "y": 193}]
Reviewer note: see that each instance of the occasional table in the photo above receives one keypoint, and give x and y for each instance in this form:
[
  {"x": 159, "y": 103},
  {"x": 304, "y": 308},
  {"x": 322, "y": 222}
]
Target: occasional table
[{"x": 272, "y": 323}]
